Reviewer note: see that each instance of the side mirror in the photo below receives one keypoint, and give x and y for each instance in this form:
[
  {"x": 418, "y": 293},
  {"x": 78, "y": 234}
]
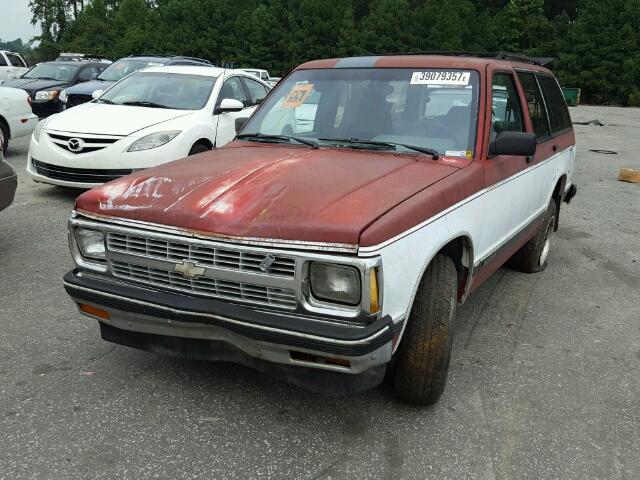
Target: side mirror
[
  {"x": 520, "y": 144},
  {"x": 96, "y": 94},
  {"x": 229, "y": 105},
  {"x": 240, "y": 123}
]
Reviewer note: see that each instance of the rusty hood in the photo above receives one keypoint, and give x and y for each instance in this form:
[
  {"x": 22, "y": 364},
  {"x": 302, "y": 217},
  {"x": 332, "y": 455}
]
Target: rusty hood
[{"x": 269, "y": 192}]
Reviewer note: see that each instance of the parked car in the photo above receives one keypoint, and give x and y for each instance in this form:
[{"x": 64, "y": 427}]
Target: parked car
[
  {"x": 334, "y": 256},
  {"x": 82, "y": 92},
  {"x": 262, "y": 75},
  {"x": 148, "y": 118},
  {"x": 8, "y": 180},
  {"x": 81, "y": 57},
  {"x": 12, "y": 65},
  {"x": 45, "y": 81},
  {"x": 16, "y": 118}
]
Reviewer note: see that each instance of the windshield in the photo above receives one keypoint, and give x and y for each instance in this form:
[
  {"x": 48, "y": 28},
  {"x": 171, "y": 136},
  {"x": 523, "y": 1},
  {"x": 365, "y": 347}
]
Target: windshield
[
  {"x": 53, "y": 71},
  {"x": 122, "y": 68},
  {"x": 161, "y": 90},
  {"x": 429, "y": 108}
]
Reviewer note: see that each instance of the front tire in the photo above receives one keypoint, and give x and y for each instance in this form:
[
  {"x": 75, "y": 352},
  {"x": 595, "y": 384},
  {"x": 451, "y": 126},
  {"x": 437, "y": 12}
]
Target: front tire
[
  {"x": 533, "y": 255},
  {"x": 422, "y": 359},
  {"x": 4, "y": 137},
  {"x": 198, "y": 148}
]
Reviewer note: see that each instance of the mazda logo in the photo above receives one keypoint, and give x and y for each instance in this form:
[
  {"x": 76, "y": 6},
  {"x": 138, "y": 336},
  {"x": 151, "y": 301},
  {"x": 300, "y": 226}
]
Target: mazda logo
[{"x": 75, "y": 144}]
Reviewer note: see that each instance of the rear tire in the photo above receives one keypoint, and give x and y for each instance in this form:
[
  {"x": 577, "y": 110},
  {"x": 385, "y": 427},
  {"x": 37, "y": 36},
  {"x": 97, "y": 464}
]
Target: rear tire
[
  {"x": 533, "y": 255},
  {"x": 4, "y": 137},
  {"x": 198, "y": 148},
  {"x": 422, "y": 359}
]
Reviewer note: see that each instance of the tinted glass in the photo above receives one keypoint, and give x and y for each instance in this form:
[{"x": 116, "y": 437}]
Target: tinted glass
[
  {"x": 3, "y": 62},
  {"x": 157, "y": 90},
  {"x": 256, "y": 90},
  {"x": 16, "y": 61},
  {"x": 53, "y": 71},
  {"x": 233, "y": 88},
  {"x": 122, "y": 68},
  {"x": 558, "y": 111},
  {"x": 88, "y": 73},
  {"x": 426, "y": 108},
  {"x": 506, "y": 112},
  {"x": 535, "y": 104}
]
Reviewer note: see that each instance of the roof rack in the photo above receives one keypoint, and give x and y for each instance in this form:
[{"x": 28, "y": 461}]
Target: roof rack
[
  {"x": 165, "y": 55},
  {"x": 513, "y": 57}
]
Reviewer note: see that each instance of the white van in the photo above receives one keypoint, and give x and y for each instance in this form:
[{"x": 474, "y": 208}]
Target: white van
[{"x": 12, "y": 65}]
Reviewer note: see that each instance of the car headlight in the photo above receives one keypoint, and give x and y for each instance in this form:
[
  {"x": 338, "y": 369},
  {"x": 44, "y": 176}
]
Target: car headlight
[
  {"x": 90, "y": 243},
  {"x": 153, "y": 140},
  {"x": 335, "y": 283},
  {"x": 39, "y": 126},
  {"x": 47, "y": 94},
  {"x": 63, "y": 96}
]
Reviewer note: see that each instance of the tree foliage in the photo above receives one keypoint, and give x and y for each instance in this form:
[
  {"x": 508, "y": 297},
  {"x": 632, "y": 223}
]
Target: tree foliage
[{"x": 596, "y": 43}]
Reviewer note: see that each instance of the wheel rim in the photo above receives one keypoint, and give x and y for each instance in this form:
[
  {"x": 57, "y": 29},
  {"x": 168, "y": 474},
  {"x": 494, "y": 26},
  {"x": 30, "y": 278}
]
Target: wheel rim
[{"x": 547, "y": 243}]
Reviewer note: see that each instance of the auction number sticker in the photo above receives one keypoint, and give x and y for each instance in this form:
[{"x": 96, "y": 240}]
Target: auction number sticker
[
  {"x": 441, "y": 77},
  {"x": 297, "y": 95}
]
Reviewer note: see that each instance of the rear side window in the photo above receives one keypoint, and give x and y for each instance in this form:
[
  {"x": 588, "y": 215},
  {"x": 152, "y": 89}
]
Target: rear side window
[
  {"x": 537, "y": 110},
  {"x": 506, "y": 112},
  {"x": 3, "y": 62},
  {"x": 558, "y": 111}
]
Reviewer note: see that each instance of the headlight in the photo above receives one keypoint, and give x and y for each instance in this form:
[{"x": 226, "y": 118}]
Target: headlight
[
  {"x": 335, "y": 283},
  {"x": 38, "y": 129},
  {"x": 153, "y": 140},
  {"x": 63, "y": 96},
  {"x": 90, "y": 243},
  {"x": 47, "y": 94}
]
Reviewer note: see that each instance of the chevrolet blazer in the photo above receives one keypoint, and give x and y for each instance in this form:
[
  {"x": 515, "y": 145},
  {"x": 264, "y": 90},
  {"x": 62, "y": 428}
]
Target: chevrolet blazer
[{"x": 333, "y": 251}]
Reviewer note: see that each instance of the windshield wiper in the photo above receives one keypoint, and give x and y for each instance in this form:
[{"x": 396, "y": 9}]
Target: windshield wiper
[
  {"x": 145, "y": 104},
  {"x": 104, "y": 100},
  {"x": 429, "y": 151},
  {"x": 276, "y": 138}
]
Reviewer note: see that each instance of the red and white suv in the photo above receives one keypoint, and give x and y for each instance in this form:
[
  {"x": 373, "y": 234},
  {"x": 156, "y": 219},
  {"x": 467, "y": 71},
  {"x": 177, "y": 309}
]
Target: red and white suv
[{"x": 334, "y": 250}]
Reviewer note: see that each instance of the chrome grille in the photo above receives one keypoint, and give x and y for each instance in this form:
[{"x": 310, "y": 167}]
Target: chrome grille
[
  {"x": 210, "y": 287},
  {"x": 85, "y": 144},
  {"x": 205, "y": 256}
]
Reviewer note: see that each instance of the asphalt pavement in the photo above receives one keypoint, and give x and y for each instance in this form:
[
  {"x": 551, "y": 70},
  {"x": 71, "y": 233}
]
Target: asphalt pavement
[{"x": 544, "y": 379}]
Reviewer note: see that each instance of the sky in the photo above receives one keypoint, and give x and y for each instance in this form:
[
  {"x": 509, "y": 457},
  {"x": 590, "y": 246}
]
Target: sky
[{"x": 16, "y": 20}]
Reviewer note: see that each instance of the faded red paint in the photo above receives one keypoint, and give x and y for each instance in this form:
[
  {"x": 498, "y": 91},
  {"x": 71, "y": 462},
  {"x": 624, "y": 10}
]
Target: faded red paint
[
  {"x": 268, "y": 191},
  {"x": 328, "y": 195}
]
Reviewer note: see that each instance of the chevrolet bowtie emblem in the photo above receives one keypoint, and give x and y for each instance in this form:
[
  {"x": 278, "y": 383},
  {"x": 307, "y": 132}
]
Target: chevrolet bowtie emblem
[{"x": 189, "y": 269}]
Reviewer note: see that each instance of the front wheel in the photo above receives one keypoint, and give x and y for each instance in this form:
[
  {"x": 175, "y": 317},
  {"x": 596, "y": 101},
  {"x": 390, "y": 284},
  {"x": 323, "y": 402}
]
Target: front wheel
[
  {"x": 532, "y": 257},
  {"x": 198, "y": 148},
  {"x": 4, "y": 137},
  {"x": 422, "y": 359}
]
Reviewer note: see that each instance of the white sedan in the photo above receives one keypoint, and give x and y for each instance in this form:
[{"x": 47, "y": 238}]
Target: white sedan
[
  {"x": 16, "y": 118},
  {"x": 151, "y": 117}
]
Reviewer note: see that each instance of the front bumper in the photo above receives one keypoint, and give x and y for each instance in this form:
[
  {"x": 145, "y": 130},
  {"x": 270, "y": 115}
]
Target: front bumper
[
  {"x": 92, "y": 169},
  {"x": 288, "y": 346}
]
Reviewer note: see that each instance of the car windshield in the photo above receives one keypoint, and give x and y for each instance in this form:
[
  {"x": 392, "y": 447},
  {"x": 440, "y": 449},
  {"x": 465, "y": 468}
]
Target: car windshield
[
  {"x": 122, "y": 68},
  {"x": 434, "y": 109},
  {"x": 161, "y": 90},
  {"x": 53, "y": 71}
]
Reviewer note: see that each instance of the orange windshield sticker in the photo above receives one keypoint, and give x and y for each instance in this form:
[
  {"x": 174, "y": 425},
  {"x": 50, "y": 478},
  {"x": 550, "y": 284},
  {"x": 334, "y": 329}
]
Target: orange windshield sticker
[{"x": 298, "y": 95}]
